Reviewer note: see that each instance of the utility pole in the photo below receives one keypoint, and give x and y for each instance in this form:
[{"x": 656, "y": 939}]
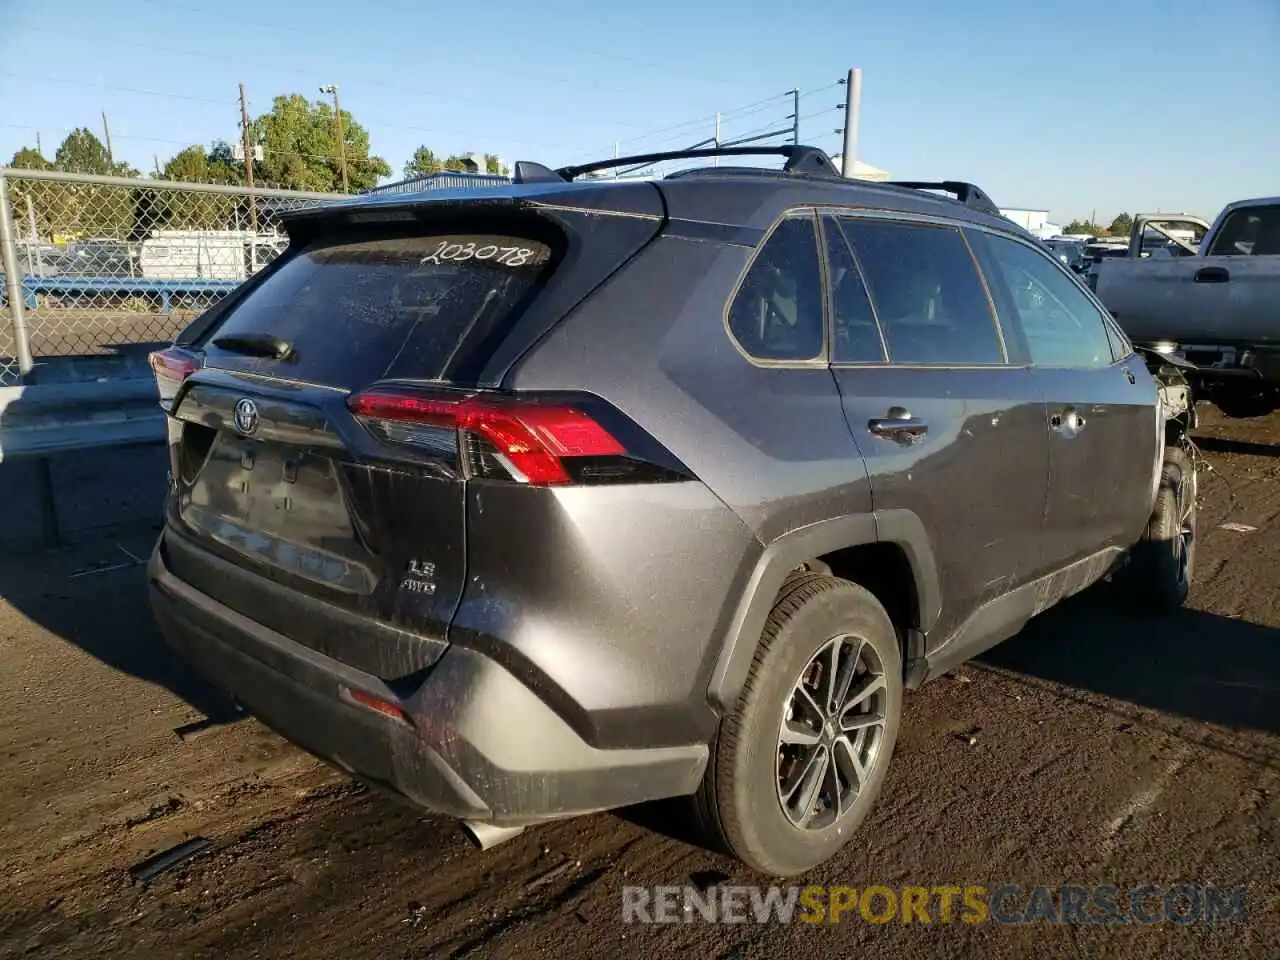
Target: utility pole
[
  {"x": 250, "y": 154},
  {"x": 39, "y": 148},
  {"x": 852, "y": 109},
  {"x": 107, "y": 131},
  {"x": 155, "y": 158},
  {"x": 616, "y": 155},
  {"x": 795, "y": 116},
  {"x": 342, "y": 152},
  {"x": 716, "y": 161}
]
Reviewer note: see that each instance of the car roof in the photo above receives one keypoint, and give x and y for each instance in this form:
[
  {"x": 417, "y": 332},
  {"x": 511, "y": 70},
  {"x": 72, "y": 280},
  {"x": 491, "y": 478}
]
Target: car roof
[{"x": 750, "y": 197}]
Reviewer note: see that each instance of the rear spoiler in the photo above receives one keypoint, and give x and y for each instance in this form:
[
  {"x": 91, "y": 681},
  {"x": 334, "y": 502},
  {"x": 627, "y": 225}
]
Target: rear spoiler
[{"x": 968, "y": 194}]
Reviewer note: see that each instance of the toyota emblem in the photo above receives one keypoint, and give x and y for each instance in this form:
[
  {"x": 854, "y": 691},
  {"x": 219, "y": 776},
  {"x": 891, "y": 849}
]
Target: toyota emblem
[{"x": 246, "y": 416}]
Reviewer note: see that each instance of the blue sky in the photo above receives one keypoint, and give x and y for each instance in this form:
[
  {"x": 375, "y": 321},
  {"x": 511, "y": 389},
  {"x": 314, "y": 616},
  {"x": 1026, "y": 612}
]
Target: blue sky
[{"x": 1073, "y": 107}]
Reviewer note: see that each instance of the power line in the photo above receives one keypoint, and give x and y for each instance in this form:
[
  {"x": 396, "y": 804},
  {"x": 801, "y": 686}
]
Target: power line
[
  {"x": 114, "y": 86},
  {"x": 732, "y": 113},
  {"x": 829, "y": 86},
  {"x": 489, "y": 27},
  {"x": 186, "y": 144},
  {"x": 309, "y": 73},
  {"x": 819, "y": 113}
]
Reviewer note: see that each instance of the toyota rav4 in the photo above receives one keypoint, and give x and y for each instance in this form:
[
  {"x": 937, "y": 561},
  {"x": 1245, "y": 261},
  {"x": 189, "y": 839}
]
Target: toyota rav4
[{"x": 560, "y": 496}]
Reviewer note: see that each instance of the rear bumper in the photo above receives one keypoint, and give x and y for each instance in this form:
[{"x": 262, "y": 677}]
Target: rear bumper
[{"x": 480, "y": 745}]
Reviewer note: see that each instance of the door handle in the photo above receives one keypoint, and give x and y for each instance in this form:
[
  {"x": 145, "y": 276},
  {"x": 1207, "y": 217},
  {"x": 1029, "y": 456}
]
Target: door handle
[
  {"x": 1212, "y": 275},
  {"x": 1067, "y": 422},
  {"x": 1128, "y": 374},
  {"x": 899, "y": 425}
]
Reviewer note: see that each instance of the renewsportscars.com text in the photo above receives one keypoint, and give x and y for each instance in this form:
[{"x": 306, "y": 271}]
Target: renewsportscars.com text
[{"x": 972, "y": 904}]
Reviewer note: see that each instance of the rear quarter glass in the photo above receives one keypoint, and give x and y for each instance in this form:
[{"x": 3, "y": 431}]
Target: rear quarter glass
[{"x": 358, "y": 310}]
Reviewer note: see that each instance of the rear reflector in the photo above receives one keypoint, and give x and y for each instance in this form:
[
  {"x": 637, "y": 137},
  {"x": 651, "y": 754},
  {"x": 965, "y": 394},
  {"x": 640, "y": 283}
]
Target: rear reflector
[
  {"x": 172, "y": 367},
  {"x": 530, "y": 439},
  {"x": 376, "y": 704}
]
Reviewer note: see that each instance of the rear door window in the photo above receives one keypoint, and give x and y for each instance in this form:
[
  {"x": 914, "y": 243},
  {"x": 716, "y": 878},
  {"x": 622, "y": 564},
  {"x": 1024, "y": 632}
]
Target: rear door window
[
  {"x": 778, "y": 312},
  {"x": 357, "y": 311},
  {"x": 928, "y": 294}
]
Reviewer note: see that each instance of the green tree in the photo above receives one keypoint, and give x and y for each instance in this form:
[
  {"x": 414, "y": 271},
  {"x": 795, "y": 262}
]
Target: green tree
[
  {"x": 189, "y": 210},
  {"x": 88, "y": 210},
  {"x": 29, "y": 158},
  {"x": 1121, "y": 226},
  {"x": 1083, "y": 226},
  {"x": 32, "y": 199},
  {"x": 82, "y": 152},
  {"x": 197, "y": 165},
  {"x": 300, "y": 147},
  {"x": 423, "y": 163}
]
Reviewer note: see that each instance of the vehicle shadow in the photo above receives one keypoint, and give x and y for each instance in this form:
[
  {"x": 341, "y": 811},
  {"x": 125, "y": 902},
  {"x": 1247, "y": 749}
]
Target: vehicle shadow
[
  {"x": 1226, "y": 445},
  {"x": 1194, "y": 664},
  {"x": 92, "y": 593}
]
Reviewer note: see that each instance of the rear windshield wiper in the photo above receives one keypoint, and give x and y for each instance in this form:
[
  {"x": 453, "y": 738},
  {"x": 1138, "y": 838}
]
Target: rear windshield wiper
[{"x": 256, "y": 345}]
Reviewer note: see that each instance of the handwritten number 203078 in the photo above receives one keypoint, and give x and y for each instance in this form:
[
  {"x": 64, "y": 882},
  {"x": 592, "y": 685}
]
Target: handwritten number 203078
[{"x": 461, "y": 252}]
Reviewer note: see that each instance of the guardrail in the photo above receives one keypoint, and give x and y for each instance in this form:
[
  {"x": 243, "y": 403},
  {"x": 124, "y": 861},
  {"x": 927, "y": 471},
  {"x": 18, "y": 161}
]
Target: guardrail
[
  {"x": 41, "y": 421},
  {"x": 161, "y": 292},
  {"x": 38, "y": 423}
]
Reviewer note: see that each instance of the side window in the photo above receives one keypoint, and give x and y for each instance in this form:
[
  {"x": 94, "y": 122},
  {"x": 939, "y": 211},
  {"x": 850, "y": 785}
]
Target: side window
[
  {"x": 1062, "y": 326},
  {"x": 857, "y": 337},
  {"x": 1249, "y": 232},
  {"x": 927, "y": 293},
  {"x": 777, "y": 314}
]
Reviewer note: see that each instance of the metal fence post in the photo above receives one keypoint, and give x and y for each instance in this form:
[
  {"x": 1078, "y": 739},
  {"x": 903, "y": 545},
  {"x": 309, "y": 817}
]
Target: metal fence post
[{"x": 13, "y": 280}]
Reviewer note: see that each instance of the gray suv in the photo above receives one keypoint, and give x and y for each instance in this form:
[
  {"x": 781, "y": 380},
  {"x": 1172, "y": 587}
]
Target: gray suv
[{"x": 563, "y": 496}]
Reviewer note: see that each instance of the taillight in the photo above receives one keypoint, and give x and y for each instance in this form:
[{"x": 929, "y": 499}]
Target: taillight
[
  {"x": 531, "y": 441},
  {"x": 172, "y": 367}
]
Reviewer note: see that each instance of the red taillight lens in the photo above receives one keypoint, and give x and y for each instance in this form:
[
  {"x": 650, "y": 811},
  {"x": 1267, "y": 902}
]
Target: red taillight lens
[
  {"x": 531, "y": 439},
  {"x": 172, "y": 367}
]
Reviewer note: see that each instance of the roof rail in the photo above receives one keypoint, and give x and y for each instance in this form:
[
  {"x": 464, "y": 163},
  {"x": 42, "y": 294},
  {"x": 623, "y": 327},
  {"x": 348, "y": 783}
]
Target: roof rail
[
  {"x": 801, "y": 160},
  {"x": 966, "y": 193}
]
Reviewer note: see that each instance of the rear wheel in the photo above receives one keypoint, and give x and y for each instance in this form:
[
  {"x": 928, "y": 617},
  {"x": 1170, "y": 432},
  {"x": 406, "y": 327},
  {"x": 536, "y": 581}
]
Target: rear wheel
[
  {"x": 804, "y": 753},
  {"x": 1161, "y": 564}
]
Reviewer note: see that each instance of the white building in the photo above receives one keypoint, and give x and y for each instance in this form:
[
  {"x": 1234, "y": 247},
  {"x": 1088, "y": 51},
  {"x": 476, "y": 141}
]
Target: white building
[
  {"x": 863, "y": 171},
  {"x": 1033, "y": 221}
]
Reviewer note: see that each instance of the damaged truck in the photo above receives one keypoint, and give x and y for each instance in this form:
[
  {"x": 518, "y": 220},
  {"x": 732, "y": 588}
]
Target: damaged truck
[{"x": 1214, "y": 303}]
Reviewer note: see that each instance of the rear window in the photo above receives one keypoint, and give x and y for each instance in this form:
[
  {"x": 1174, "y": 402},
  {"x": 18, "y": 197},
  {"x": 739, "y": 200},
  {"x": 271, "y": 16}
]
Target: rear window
[{"x": 355, "y": 312}]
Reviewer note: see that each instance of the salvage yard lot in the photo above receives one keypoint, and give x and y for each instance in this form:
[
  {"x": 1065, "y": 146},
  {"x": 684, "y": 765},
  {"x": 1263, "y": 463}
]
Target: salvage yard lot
[{"x": 1095, "y": 748}]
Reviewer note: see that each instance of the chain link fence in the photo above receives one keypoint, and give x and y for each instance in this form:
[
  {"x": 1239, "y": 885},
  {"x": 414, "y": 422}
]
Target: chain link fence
[{"x": 98, "y": 266}]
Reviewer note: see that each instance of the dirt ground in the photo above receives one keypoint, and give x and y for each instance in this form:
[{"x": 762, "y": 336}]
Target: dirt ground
[{"x": 1094, "y": 748}]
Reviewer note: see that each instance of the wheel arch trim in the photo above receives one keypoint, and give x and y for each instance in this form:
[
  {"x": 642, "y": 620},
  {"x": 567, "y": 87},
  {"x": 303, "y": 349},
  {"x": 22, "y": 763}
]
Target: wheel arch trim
[{"x": 900, "y": 527}]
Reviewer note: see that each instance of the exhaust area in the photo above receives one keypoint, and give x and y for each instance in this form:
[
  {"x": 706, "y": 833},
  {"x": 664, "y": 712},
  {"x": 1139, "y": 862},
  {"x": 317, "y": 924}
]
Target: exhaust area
[{"x": 486, "y": 835}]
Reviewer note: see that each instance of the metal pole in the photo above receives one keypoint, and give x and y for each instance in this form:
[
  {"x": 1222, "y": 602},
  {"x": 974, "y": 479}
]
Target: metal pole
[
  {"x": 716, "y": 162},
  {"x": 111, "y": 157},
  {"x": 852, "y": 107},
  {"x": 795, "y": 116},
  {"x": 34, "y": 247},
  {"x": 342, "y": 151},
  {"x": 13, "y": 281},
  {"x": 249, "y": 156}
]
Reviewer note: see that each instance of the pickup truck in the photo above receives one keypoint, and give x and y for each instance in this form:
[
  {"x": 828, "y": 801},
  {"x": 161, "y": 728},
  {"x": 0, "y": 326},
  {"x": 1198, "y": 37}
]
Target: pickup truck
[{"x": 1215, "y": 304}]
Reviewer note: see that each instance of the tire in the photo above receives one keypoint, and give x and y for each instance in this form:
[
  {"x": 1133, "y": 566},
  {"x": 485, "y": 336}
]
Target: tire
[
  {"x": 1161, "y": 565},
  {"x": 751, "y": 771}
]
